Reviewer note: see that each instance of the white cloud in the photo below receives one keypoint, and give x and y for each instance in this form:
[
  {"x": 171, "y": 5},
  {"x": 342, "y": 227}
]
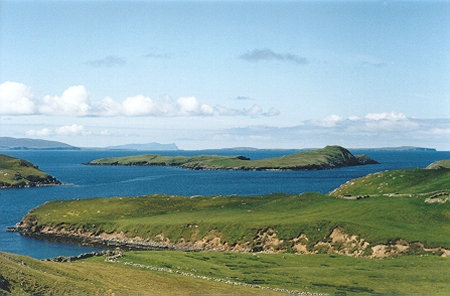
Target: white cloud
[
  {"x": 138, "y": 105},
  {"x": 389, "y": 121},
  {"x": 396, "y": 130},
  {"x": 73, "y": 101},
  {"x": 254, "y": 110},
  {"x": 65, "y": 130},
  {"x": 71, "y": 130},
  {"x": 16, "y": 99},
  {"x": 353, "y": 118},
  {"x": 386, "y": 116},
  {"x": 39, "y": 133},
  {"x": 329, "y": 121},
  {"x": 191, "y": 106},
  {"x": 108, "y": 107}
]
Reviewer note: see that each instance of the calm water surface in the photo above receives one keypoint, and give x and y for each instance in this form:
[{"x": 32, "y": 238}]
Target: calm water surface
[{"x": 103, "y": 181}]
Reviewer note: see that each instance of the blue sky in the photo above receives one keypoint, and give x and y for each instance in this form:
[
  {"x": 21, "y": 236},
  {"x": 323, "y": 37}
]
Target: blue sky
[{"x": 223, "y": 74}]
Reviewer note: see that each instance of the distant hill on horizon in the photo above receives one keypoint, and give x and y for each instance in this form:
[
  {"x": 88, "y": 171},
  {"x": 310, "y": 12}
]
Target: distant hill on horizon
[
  {"x": 147, "y": 146},
  {"x": 400, "y": 148},
  {"x": 9, "y": 143}
]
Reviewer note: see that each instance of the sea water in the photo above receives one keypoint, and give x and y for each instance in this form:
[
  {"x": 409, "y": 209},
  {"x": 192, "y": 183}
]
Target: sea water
[{"x": 82, "y": 181}]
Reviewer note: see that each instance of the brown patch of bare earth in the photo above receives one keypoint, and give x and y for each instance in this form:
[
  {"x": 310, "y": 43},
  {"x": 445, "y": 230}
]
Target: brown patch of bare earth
[{"x": 266, "y": 240}]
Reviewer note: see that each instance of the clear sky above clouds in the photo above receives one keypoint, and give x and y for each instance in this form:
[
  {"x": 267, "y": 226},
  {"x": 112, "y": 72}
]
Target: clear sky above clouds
[{"x": 223, "y": 74}]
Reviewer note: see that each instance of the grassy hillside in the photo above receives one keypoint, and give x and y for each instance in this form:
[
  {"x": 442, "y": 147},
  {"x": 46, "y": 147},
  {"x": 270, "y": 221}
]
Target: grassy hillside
[
  {"x": 270, "y": 223},
  {"x": 441, "y": 164},
  {"x": 411, "y": 181},
  {"x": 328, "y": 157},
  {"x": 21, "y": 275},
  {"x": 15, "y": 172},
  {"x": 132, "y": 274},
  {"x": 332, "y": 274}
]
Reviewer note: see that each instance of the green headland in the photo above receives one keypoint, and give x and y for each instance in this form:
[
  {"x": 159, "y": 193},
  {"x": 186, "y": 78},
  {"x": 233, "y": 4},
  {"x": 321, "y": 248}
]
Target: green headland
[
  {"x": 18, "y": 173},
  {"x": 433, "y": 179},
  {"x": 325, "y": 158}
]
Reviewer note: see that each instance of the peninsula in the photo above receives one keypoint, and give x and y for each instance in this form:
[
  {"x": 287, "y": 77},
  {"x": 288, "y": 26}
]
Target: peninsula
[
  {"x": 325, "y": 158},
  {"x": 19, "y": 173}
]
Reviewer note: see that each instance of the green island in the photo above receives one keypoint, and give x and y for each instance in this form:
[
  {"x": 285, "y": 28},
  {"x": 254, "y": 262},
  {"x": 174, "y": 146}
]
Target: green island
[
  {"x": 325, "y": 158},
  {"x": 19, "y": 173},
  {"x": 382, "y": 234}
]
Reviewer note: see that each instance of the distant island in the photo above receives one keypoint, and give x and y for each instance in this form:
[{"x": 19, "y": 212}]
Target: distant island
[
  {"x": 148, "y": 146},
  {"x": 19, "y": 173},
  {"x": 8, "y": 143},
  {"x": 325, "y": 158},
  {"x": 400, "y": 148}
]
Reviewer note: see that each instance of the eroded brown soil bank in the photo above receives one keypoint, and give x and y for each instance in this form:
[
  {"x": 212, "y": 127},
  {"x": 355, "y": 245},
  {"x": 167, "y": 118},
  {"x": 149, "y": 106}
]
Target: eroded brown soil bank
[{"x": 266, "y": 240}]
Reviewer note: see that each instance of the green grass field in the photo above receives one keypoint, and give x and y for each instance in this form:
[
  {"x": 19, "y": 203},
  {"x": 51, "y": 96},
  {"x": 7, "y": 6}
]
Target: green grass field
[
  {"x": 330, "y": 274},
  {"x": 411, "y": 181},
  {"x": 328, "y": 157},
  {"x": 21, "y": 275},
  {"x": 16, "y": 172}
]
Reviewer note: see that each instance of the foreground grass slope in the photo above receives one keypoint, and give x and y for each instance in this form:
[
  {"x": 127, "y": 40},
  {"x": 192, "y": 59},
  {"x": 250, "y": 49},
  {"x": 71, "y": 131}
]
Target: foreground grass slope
[
  {"x": 21, "y": 275},
  {"x": 331, "y": 274},
  {"x": 325, "y": 158},
  {"x": 16, "y": 173}
]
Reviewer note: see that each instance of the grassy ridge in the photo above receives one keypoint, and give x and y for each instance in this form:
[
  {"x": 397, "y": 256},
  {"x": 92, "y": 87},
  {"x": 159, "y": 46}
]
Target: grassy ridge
[
  {"x": 328, "y": 157},
  {"x": 16, "y": 172},
  {"x": 21, "y": 275},
  {"x": 238, "y": 219},
  {"x": 411, "y": 181}
]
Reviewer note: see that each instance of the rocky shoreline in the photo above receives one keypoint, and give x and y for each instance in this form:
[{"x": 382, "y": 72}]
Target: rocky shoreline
[
  {"x": 41, "y": 182},
  {"x": 266, "y": 241}
]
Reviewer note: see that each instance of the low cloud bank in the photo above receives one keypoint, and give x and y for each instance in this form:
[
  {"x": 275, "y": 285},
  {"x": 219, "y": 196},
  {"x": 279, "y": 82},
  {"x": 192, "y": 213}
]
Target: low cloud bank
[{"x": 18, "y": 99}]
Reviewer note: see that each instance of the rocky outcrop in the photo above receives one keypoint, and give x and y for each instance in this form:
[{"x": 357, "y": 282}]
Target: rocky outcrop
[
  {"x": 5, "y": 286},
  {"x": 32, "y": 181},
  {"x": 110, "y": 253}
]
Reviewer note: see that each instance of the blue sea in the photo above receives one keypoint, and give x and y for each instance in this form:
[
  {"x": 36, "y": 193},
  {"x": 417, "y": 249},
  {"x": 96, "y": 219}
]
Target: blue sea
[{"x": 83, "y": 181}]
